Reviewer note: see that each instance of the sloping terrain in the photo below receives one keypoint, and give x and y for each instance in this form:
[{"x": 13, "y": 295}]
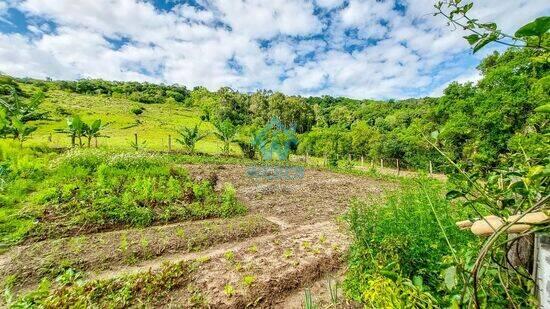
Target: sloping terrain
[{"x": 290, "y": 240}]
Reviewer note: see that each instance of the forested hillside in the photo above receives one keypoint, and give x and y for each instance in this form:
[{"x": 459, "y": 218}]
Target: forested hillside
[{"x": 475, "y": 124}]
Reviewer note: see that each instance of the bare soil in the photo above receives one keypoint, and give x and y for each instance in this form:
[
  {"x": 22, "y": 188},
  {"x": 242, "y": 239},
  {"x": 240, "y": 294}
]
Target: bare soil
[{"x": 318, "y": 196}]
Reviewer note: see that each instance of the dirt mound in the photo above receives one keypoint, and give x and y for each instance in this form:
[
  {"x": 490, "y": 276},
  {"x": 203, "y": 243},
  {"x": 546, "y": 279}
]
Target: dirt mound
[{"x": 111, "y": 250}]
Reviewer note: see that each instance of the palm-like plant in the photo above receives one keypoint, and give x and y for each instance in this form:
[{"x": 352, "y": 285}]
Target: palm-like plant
[
  {"x": 21, "y": 130},
  {"x": 76, "y": 128},
  {"x": 226, "y": 132},
  {"x": 188, "y": 137},
  {"x": 94, "y": 131}
]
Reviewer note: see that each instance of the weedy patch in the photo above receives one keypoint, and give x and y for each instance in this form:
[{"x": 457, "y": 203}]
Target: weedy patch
[
  {"x": 142, "y": 288},
  {"x": 89, "y": 190}
]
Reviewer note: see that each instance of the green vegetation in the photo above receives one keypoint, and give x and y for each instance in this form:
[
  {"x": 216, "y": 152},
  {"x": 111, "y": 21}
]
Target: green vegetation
[
  {"x": 477, "y": 124},
  {"x": 407, "y": 252},
  {"x": 491, "y": 139},
  {"x": 400, "y": 251},
  {"x": 142, "y": 288},
  {"x": 93, "y": 190}
]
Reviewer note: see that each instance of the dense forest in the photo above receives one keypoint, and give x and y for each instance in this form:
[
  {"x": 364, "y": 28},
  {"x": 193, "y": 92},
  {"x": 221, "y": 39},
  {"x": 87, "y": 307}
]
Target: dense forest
[{"x": 475, "y": 124}]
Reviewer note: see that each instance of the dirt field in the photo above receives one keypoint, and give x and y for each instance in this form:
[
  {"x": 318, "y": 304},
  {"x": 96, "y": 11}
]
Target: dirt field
[{"x": 290, "y": 241}]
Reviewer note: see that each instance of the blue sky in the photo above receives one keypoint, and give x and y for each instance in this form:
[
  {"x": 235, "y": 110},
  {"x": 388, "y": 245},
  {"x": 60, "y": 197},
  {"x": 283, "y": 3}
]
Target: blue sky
[{"x": 355, "y": 48}]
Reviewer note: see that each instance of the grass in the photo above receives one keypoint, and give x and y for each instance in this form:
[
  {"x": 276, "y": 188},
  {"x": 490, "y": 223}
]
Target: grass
[{"x": 154, "y": 125}]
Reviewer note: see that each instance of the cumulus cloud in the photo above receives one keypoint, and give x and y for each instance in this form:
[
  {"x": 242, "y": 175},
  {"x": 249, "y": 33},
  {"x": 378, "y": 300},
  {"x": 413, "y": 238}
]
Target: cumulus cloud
[{"x": 356, "y": 48}]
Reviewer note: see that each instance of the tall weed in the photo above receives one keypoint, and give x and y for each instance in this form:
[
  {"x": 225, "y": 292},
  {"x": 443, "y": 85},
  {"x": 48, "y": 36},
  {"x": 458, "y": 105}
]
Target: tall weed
[{"x": 400, "y": 240}]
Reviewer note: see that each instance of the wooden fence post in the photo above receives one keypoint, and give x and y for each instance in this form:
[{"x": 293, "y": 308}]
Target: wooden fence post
[
  {"x": 431, "y": 168},
  {"x": 362, "y": 161},
  {"x": 381, "y": 163},
  {"x": 349, "y": 156},
  {"x": 398, "y": 170},
  {"x": 169, "y": 143},
  {"x": 136, "y": 140}
]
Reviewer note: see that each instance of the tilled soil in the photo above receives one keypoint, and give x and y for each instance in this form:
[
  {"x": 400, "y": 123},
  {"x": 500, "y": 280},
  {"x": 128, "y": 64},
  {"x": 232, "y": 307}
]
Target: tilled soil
[
  {"x": 318, "y": 196},
  {"x": 125, "y": 248},
  {"x": 291, "y": 240}
]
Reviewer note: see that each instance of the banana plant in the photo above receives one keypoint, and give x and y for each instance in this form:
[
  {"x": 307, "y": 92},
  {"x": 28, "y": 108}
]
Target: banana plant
[
  {"x": 21, "y": 130},
  {"x": 226, "y": 132},
  {"x": 189, "y": 137},
  {"x": 76, "y": 129},
  {"x": 94, "y": 131}
]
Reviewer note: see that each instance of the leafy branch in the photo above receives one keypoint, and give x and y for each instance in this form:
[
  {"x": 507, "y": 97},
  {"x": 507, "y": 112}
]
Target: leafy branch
[{"x": 529, "y": 36}]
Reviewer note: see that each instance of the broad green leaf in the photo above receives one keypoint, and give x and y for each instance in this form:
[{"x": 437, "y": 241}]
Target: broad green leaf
[
  {"x": 472, "y": 38},
  {"x": 435, "y": 134},
  {"x": 490, "y": 26},
  {"x": 538, "y": 27},
  {"x": 484, "y": 41},
  {"x": 450, "y": 277},
  {"x": 543, "y": 108}
]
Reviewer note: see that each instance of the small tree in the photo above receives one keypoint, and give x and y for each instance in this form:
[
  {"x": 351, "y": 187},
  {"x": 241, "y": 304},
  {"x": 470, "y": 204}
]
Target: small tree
[
  {"x": 189, "y": 137},
  {"x": 94, "y": 131},
  {"x": 226, "y": 132},
  {"x": 76, "y": 128}
]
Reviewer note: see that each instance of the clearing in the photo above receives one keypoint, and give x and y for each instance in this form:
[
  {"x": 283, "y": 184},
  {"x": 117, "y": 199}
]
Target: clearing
[{"x": 290, "y": 240}]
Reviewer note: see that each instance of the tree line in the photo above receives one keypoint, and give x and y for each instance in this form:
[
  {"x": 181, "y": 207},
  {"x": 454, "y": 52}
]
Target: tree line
[{"x": 476, "y": 124}]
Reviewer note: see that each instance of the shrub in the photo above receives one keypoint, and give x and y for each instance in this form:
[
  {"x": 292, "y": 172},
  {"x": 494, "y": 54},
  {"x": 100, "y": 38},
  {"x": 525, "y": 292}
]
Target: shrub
[
  {"x": 137, "y": 110},
  {"x": 401, "y": 240}
]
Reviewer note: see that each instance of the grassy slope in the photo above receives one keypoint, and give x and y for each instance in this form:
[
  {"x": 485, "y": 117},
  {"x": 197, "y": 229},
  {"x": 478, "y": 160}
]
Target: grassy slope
[{"x": 156, "y": 123}]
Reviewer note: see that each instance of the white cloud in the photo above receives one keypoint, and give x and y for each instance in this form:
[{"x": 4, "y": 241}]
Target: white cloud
[
  {"x": 329, "y": 4},
  {"x": 392, "y": 54}
]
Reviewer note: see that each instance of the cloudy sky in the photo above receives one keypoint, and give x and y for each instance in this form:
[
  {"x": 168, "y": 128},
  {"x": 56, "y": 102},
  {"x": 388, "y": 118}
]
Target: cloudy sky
[{"x": 354, "y": 48}]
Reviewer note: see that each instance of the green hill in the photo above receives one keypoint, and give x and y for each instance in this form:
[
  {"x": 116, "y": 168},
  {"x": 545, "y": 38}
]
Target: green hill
[{"x": 154, "y": 125}]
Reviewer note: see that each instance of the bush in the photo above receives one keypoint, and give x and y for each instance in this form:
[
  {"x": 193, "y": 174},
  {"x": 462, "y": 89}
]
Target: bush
[
  {"x": 137, "y": 110},
  {"x": 401, "y": 240}
]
